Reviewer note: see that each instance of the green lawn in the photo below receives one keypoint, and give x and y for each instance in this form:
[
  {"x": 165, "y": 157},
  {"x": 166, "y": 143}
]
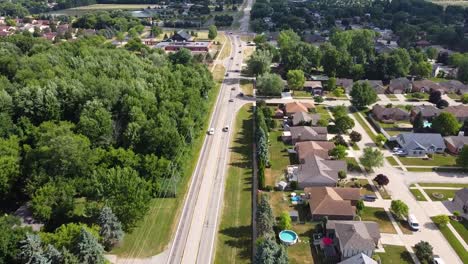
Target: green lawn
[
  {"x": 299, "y": 93},
  {"x": 456, "y": 245},
  {"x": 352, "y": 164},
  {"x": 279, "y": 158},
  {"x": 152, "y": 233},
  {"x": 246, "y": 86},
  {"x": 392, "y": 97},
  {"x": 322, "y": 110},
  {"x": 226, "y": 51},
  {"x": 366, "y": 188},
  {"x": 302, "y": 252},
  {"x": 447, "y": 194},
  {"x": 453, "y": 96},
  {"x": 434, "y": 184},
  {"x": 392, "y": 161},
  {"x": 395, "y": 255},
  {"x": 418, "y": 195},
  {"x": 355, "y": 146},
  {"x": 380, "y": 216},
  {"x": 411, "y": 97},
  {"x": 437, "y": 160},
  {"x": 235, "y": 230},
  {"x": 419, "y": 169},
  {"x": 462, "y": 228},
  {"x": 383, "y": 192}
]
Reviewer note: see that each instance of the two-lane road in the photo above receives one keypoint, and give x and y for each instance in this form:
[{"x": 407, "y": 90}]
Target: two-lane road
[{"x": 195, "y": 237}]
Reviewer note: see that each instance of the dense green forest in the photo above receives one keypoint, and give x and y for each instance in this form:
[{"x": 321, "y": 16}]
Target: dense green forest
[{"x": 88, "y": 135}]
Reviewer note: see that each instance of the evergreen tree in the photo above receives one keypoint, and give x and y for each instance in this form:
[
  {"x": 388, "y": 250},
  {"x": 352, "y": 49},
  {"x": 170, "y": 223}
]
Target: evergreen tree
[
  {"x": 31, "y": 250},
  {"x": 269, "y": 252},
  {"x": 111, "y": 228},
  {"x": 53, "y": 255},
  {"x": 265, "y": 219},
  {"x": 87, "y": 248}
]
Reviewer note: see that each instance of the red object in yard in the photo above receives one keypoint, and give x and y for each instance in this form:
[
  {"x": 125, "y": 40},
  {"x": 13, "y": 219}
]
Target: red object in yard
[{"x": 327, "y": 241}]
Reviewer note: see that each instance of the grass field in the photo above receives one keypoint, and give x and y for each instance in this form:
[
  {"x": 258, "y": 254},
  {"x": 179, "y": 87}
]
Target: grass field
[
  {"x": 437, "y": 160},
  {"x": 418, "y": 195},
  {"x": 366, "y": 188},
  {"x": 153, "y": 232},
  {"x": 226, "y": 51},
  {"x": 302, "y": 252},
  {"x": 448, "y": 194},
  {"x": 235, "y": 230},
  {"x": 395, "y": 255},
  {"x": 246, "y": 86},
  {"x": 461, "y": 227},
  {"x": 380, "y": 216},
  {"x": 456, "y": 245},
  {"x": 436, "y": 184},
  {"x": 462, "y": 3},
  {"x": 279, "y": 158}
]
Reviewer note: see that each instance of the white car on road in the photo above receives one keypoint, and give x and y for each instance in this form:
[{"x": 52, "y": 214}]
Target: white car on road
[{"x": 211, "y": 131}]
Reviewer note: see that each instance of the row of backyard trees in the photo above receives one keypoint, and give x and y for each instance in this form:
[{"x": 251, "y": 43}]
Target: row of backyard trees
[
  {"x": 90, "y": 132},
  {"x": 263, "y": 123}
]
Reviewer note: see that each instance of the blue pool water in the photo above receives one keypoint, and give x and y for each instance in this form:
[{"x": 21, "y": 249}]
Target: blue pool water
[
  {"x": 427, "y": 124},
  {"x": 295, "y": 199},
  {"x": 288, "y": 236}
]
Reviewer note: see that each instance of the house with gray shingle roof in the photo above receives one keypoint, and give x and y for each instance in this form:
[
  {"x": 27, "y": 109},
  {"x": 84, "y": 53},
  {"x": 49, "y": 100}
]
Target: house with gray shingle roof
[
  {"x": 354, "y": 237},
  {"x": 303, "y": 118},
  {"x": 460, "y": 201},
  {"x": 315, "y": 170},
  {"x": 399, "y": 85},
  {"x": 428, "y": 112},
  {"x": 377, "y": 85},
  {"x": 421, "y": 144},
  {"x": 304, "y": 133},
  {"x": 359, "y": 259},
  {"x": 383, "y": 113}
]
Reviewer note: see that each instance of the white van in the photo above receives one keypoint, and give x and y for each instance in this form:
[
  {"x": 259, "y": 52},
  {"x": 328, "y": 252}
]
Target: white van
[{"x": 413, "y": 222}]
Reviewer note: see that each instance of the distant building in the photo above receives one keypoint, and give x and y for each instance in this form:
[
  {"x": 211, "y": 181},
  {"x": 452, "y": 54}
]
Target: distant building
[
  {"x": 198, "y": 46},
  {"x": 389, "y": 113},
  {"x": 455, "y": 143}
]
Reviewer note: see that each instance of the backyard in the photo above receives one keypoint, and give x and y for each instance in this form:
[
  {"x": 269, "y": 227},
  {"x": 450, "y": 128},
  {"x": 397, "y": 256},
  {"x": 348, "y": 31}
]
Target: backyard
[
  {"x": 279, "y": 158},
  {"x": 440, "y": 195},
  {"x": 235, "y": 230}
]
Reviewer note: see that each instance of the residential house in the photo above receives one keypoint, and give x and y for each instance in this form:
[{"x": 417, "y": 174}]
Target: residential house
[
  {"x": 346, "y": 84},
  {"x": 334, "y": 203},
  {"x": 389, "y": 114},
  {"x": 359, "y": 259},
  {"x": 454, "y": 144},
  {"x": 428, "y": 112},
  {"x": 181, "y": 36},
  {"x": 354, "y": 237},
  {"x": 460, "y": 201},
  {"x": 303, "y": 118},
  {"x": 421, "y": 144},
  {"x": 306, "y": 148},
  {"x": 304, "y": 133},
  {"x": 377, "y": 85},
  {"x": 314, "y": 87},
  {"x": 317, "y": 171},
  {"x": 399, "y": 85},
  {"x": 444, "y": 71},
  {"x": 425, "y": 86},
  {"x": 459, "y": 111},
  {"x": 454, "y": 86},
  {"x": 295, "y": 107}
]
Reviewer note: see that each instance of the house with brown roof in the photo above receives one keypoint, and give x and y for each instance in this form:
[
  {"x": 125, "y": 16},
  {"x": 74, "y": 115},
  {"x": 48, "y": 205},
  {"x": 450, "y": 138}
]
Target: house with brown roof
[
  {"x": 334, "y": 203},
  {"x": 320, "y": 148},
  {"x": 295, "y": 107},
  {"x": 428, "y": 112},
  {"x": 459, "y": 111},
  {"x": 304, "y": 133},
  {"x": 425, "y": 86},
  {"x": 314, "y": 87},
  {"x": 455, "y": 143},
  {"x": 303, "y": 118},
  {"x": 399, "y": 85},
  {"x": 389, "y": 114},
  {"x": 377, "y": 85},
  {"x": 354, "y": 237},
  {"x": 346, "y": 84}
]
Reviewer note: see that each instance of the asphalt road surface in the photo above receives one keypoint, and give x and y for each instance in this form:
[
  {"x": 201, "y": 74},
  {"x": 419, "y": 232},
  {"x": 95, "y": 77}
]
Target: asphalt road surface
[{"x": 195, "y": 238}]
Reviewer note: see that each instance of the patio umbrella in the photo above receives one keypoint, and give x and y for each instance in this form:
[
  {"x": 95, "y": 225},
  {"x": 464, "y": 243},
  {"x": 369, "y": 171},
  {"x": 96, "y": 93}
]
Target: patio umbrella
[{"x": 327, "y": 241}]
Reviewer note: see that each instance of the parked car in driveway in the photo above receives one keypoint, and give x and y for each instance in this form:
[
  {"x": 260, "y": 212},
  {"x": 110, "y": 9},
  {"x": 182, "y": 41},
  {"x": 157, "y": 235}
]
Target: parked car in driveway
[
  {"x": 369, "y": 198},
  {"x": 413, "y": 222},
  {"x": 437, "y": 260}
]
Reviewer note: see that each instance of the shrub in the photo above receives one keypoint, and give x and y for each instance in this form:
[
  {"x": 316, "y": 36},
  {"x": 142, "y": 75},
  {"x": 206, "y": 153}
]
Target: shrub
[
  {"x": 342, "y": 175},
  {"x": 441, "y": 220},
  {"x": 293, "y": 185},
  {"x": 284, "y": 221}
]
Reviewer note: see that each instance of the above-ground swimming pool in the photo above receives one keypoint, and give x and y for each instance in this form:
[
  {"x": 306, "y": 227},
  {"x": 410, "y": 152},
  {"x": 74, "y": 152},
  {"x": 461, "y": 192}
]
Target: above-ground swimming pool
[
  {"x": 288, "y": 237},
  {"x": 295, "y": 198}
]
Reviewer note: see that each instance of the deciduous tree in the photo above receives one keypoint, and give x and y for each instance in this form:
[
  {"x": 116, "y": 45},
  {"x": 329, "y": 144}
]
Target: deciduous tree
[
  {"x": 362, "y": 95},
  {"x": 344, "y": 123},
  {"x": 339, "y": 152},
  {"x": 372, "y": 157},
  {"x": 424, "y": 251},
  {"x": 381, "y": 180},
  {"x": 399, "y": 208},
  {"x": 296, "y": 79},
  {"x": 270, "y": 84},
  {"x": 446, "y": 124},
  {"x": 212, "y": 32},
  {"x": 284, "y": 221}
]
